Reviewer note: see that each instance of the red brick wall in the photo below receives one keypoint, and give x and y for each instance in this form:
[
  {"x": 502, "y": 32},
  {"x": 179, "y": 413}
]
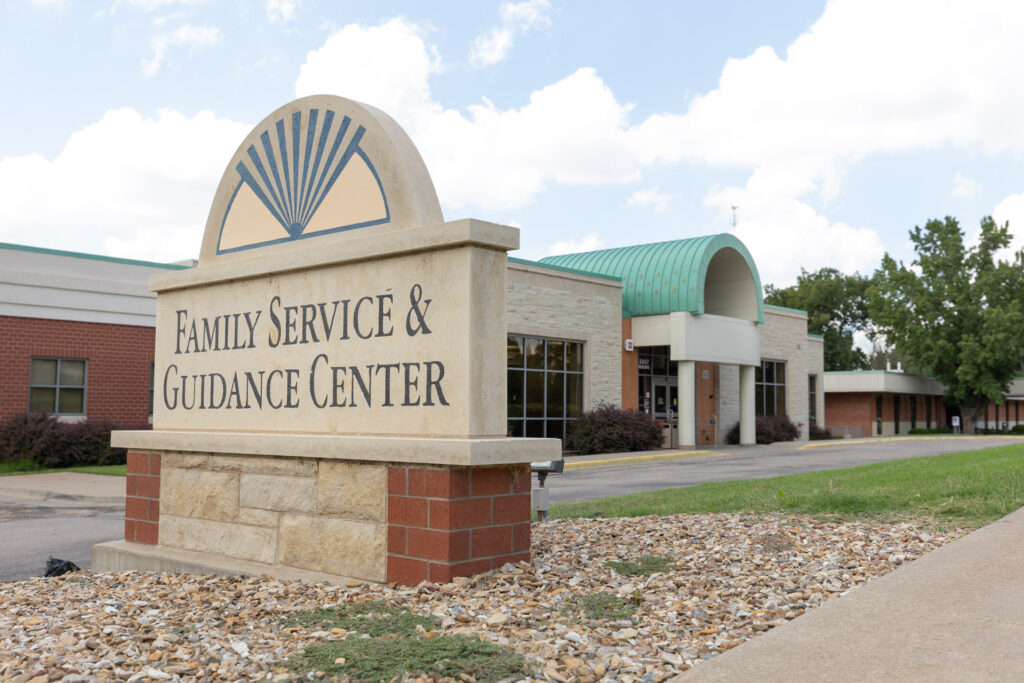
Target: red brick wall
[
  {"x": 117, "y": 371},
  {"x": 853, "y": 411},
  {"x": 444, "y": 523},
  {"x": 705, "y": 403},
  {"x": 630, "y": 370},
  {"x": 142, "y": 498}
]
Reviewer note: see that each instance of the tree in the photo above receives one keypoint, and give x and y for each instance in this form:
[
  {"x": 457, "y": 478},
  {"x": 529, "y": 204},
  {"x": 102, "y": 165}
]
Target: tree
[
  {"x": 836, "y": 308},
  {"x": 957, "y": 312}
]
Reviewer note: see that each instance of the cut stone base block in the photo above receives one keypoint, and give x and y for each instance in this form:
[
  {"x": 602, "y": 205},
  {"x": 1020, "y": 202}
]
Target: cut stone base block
[{"x": 403, "y": 510}]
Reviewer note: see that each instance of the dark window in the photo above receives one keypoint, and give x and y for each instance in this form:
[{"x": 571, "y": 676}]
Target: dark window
[
  {"x": 654, "y": 360},
  {"x": 57, "y": 386},
  {"x": 770, "y": 388},
  {"x": 812, "y": 399},
  {"x": 545, "y": 385}
]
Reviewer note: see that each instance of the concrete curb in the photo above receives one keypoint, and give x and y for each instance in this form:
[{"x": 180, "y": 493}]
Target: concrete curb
[
  {"x": 638, "y": 458},
  {"x": 50, "y": 496},
  {"x": 891, "y": 439}
]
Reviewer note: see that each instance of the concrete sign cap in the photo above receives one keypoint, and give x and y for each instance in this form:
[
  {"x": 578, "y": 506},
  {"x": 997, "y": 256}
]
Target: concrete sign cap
[{"x": 321, "y": 167}]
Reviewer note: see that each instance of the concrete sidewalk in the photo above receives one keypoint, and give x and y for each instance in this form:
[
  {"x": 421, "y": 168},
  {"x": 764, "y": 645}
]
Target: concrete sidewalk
[
  {"x": 956, "y": 614},
  {"x": 64, "y": 487}
]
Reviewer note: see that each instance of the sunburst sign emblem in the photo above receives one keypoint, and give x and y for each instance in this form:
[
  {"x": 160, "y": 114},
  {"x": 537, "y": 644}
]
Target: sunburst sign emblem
[{"x": 304, "y": 179}]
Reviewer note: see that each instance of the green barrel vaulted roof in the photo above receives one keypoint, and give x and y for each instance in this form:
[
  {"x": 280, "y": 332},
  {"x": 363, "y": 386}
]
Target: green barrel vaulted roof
[{"x": 662, "y": 277}]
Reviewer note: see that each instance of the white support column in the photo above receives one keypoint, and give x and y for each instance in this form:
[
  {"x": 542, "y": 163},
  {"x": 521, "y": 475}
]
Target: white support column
[
  {"x": 747, "y": 418},
  {"x": 687, "y": 403}
]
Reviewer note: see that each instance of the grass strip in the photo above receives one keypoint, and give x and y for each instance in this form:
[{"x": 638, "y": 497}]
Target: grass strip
[
  {"x": 26, "y": 466},
  {"x": 969, "y": 489},
  {"x": 374, "y": 618},
  {"x": 382, "y": 659}
]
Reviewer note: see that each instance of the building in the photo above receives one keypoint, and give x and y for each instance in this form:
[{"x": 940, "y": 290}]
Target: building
[
  {"x": 78, "y": 335},
  {"x": 676, "y": 329},
  {"x": 887, "y": 402}
]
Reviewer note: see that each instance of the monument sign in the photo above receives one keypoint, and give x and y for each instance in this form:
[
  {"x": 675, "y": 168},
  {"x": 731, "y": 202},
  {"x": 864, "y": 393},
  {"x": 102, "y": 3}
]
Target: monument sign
[{"x": 330, "y": 379}]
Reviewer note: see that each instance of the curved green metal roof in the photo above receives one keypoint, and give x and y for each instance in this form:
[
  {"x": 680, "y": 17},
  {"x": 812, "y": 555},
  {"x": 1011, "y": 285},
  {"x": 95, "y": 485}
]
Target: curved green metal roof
[{"x": 663, "y": 277}]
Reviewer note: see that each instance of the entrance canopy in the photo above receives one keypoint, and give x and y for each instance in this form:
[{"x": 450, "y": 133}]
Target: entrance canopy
[{"x": 712, "y": 275}]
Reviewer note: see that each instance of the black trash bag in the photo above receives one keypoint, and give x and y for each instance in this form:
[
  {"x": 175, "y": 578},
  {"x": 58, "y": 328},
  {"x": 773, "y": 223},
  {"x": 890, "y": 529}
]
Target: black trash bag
[{"x": 55, "y": 567}]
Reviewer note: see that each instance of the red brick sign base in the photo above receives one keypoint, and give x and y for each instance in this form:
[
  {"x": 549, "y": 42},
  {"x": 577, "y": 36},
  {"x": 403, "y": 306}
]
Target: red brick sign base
[{"x": 442, "y": 522}]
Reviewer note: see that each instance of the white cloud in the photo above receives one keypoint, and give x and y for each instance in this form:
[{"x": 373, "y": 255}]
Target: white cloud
[
  {"x": 1011, "y": 209},
  {"x": 145, "y": 184},
  {"x": 588, "y": 243},
  {"x": 652, "y": 198},
  {"x": 187, "y": 35},
  {"x": 281, "y": 10},
  {"x": 964, "y": 187},
  {"x": 572, "y": 132},
  {"x": 516, "y": 17},
  {"x": 785, "y": 234}
]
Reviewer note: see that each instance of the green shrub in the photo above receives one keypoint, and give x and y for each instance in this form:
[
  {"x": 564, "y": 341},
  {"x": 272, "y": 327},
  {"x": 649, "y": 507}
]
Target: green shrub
[
  {"x": 48, "y": 443},
  {"x": 609, "y": 429},
  {"x": 1017, "y": 429},
  {"x": 767, "y": 429},
  {"x": 817, "y": 433},
  {"x": 919, "y": 431}
]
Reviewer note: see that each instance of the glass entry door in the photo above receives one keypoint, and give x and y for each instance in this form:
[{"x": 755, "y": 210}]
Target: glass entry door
[{"x": 665, "y": 398}]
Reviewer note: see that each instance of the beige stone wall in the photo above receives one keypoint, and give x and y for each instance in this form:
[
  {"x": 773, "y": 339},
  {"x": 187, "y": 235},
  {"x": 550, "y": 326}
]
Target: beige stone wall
[
  {"x": 325, "y": 516},
  {"x": 784, "y": 337},
  {"x": 728, "y": 399},
  {"x": 545, "y": 302}
]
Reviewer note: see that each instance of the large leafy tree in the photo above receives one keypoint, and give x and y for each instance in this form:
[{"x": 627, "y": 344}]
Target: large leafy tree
[
  {"x": 836, "y": 308},
  {"x": 956, "y": 311}
]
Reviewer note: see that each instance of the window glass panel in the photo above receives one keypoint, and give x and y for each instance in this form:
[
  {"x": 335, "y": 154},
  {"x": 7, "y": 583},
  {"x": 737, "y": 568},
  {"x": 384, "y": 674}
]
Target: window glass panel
[
  {"x": 515, "y": 393},
  {"x": 758, "y": 373},
  {"x": 769, "y": 399},
  {"x": 574, "y": 395},
  {"x": 515, "y": 352},
  {"x": 535, "y": 394},
  {"x": 574, "y": 356},
  {"x": 780, "y": 373},
  {"x": 780, "y": 400},
  {"x": 545, "y": 384},
  {"x": 556, "y": 388},
  {"x": 44, "y": 371},
  {"x": 534, "y": 353},
  {"x": 660, "y": 364},
  {"x": 72, "y": 373},
  {"x": 769, "y": 372},
  {"x": 72, "y": 401},
  {"x": 556, "y": 355},
  {"x": 42, "y": 399},
  {"x": 759, "y": 402}
]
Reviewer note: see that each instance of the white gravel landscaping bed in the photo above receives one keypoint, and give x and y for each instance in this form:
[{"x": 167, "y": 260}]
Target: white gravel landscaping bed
[{"x": 728, "y": 578}]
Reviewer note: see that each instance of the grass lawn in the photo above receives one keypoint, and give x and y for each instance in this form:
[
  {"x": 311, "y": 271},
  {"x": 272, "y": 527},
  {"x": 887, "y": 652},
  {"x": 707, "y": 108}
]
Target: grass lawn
[
  {"x": 964, "y": 489},
  {"x": 28, "y": 467}
]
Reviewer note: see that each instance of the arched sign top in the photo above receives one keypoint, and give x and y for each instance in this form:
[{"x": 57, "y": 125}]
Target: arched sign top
[{"x": 320, "y": 167}]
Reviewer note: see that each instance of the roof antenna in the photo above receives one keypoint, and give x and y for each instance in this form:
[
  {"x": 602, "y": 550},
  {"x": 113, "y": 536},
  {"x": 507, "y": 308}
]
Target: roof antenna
[{"x": 734, "y": 207}]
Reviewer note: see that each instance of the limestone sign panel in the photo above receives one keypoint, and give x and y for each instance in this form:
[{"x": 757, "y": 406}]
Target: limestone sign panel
[{"x": 378, "y": 347}]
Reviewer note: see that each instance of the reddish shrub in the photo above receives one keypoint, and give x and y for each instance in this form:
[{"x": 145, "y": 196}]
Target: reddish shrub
[{"x": 609, "y": 429}]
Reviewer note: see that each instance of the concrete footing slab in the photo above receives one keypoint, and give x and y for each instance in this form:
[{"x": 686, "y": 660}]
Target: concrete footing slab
[
  {"x": 956, "y": 614},
  {"x": 117, "y": 556}
]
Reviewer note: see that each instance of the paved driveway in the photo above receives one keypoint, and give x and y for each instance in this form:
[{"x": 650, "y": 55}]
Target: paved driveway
[{"x": 598, "y": 476}]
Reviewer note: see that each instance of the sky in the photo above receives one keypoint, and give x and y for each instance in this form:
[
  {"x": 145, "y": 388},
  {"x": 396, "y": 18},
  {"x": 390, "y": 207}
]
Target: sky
[{"x": 819, "y": 133}]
